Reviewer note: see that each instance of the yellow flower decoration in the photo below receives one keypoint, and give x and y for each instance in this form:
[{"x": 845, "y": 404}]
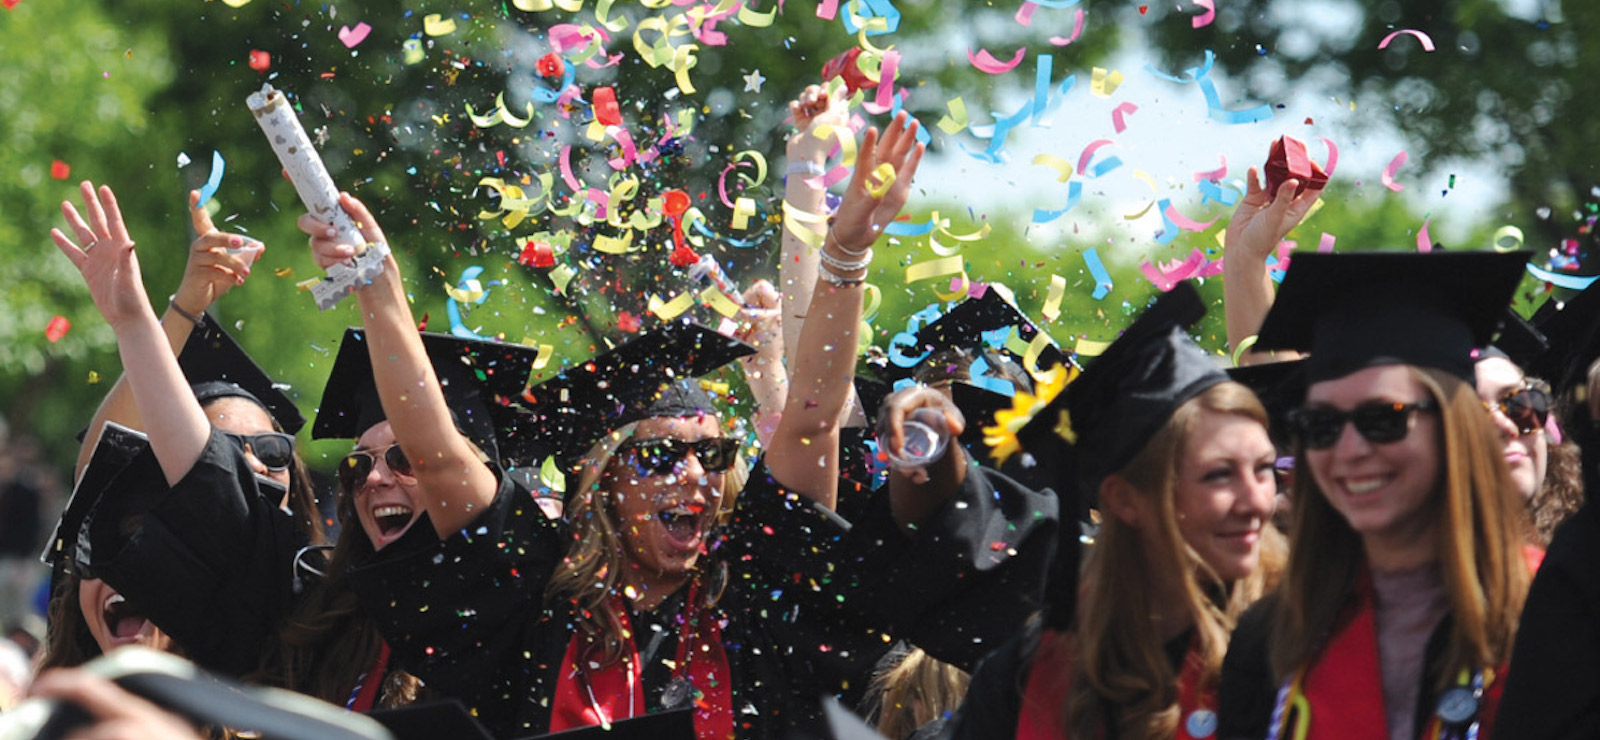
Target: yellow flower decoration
[{"x": 1002, "y": 437}]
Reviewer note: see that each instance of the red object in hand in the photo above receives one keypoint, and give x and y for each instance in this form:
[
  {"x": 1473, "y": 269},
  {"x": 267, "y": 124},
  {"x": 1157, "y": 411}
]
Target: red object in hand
[
  {"x": 260, "y": 61},
  {"x": 550, "y": 65},
  {"x": 845, "y": 66},
  {"x": 57, "y": 328},
  {"x": 1289, "y": 161},
  {"x": 682, "y": 255},
  {"x": 60, "y": 170},
  {"x": 606, "y": 110},
  {"x": 537, "y": 254},
  {"x": 674, "y": 203}
]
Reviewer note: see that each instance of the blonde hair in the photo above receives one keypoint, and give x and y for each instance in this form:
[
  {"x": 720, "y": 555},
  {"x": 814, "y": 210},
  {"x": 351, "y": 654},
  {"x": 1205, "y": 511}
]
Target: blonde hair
[
  {"x": 1120, "y": 662},
  {"x": 591, "y": 572},
  {"x": 913, "y": 692},
  {"x": 1479, "y": 547}
]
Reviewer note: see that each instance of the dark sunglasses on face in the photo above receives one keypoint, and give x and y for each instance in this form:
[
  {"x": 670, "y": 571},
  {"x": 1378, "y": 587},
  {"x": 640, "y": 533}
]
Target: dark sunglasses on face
[
  {"x": 355, "y": 467},
  {"x": 1378, "y": 422},
  {"x": 274, "y": 449},
  {"x": 659, "y": 456},
  {"x": 1527, "y": 407}
]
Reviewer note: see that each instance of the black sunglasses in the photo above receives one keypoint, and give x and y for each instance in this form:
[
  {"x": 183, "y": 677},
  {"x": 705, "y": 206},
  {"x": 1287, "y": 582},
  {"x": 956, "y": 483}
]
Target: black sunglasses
[
  {"x": 274, "y": 449},
  {"x": 1527, "y": 407},
  {"x": 355, "y": 467},
  {"x": 1378, "y": 422},
  {"x": 660, "y": 455}
]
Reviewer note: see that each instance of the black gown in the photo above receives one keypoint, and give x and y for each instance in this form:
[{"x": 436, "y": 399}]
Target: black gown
[
  {"x": 208, "y": 560},
  {"x": 468, "y": 614},
  {"x": 1553, "y": 687}
]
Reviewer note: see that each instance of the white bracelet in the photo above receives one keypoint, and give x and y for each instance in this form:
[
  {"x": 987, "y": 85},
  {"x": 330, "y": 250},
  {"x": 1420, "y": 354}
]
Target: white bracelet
[
  {"x": 837, "y": 280},
  {"x": 806, "y": 167},
  {"x": 832, "y": 261},
  {"x": 837, "y": 243}
]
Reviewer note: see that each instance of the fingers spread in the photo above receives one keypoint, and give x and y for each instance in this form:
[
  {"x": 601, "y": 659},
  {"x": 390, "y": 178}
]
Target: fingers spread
[{"x": 116, "y": 228}]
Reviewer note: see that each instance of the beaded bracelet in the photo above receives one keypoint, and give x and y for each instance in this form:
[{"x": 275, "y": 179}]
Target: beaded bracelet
[
  {"x": 172, "y": 303},
  {"x": 832, "y": 261},
  {"x": 834, "y": 279}
]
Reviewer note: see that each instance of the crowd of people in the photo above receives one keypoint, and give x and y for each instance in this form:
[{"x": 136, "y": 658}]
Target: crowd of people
[{"x": 1374, "y": 527}]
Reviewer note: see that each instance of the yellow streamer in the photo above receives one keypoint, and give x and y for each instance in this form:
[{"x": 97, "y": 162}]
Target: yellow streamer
[
  {"x": 1507, "y": 239},
  {"x": 472, "y": 293},
  {"x": 1144, "y": 177},
  {"x": 1052, "y": 299},
  {"x": 561, "y": 275},
  {"x": 957, "y": 120},
  {"x": 434, "y": 24},
  {"x": 935, "y": 268},
  {"x": 880, "y": 180},
  {"x": 753, "y": 19},
  {"x": 804, "y": 225},
  {"x": 847, "y": 142},
  {"x": 719, "y": 301},
  {"x": 1062, "y": 167},
  {"x": 682, "y": 62},
  {"x": 940, "y": 249},
  {"x": 1090, "y": 348},
  {"x": 546, "y": 351},
  {"x": 1102, "y": 83},
  {"x": 672, "y": 309},
  {"x": 756, "y": 158},
  {"x": 499, "y": 115},
  {"x": 614, "y": 245},
  {"x": 743, "y": 209},
  {"x": 1030, "y": 357},
  {"x": 872, "y": 300}
]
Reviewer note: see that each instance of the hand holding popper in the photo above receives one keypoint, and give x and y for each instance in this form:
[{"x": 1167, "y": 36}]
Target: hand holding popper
[{"x": 317, "y": 191}]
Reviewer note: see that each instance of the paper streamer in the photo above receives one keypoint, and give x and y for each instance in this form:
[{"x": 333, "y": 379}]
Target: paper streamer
[
  {"x": 956, "y": 121},
  {"x": 985, "y": 62},
  {"x": 1427, "y": 41},
  {"x": 1097, "y": 270},
  {"x": 1074, "y": 194},
  {"x": 1041, "y": 87},
  {"x": 1088, "y": 153},
  {"x": 209, "y": 190},
  {"x": 1090, "y": 348},
  {"x": 1333, "y": 156},
  {"x": 1424, "y": 242},
  {"x": 1077, "y": 30},
  {"x": 1119, "y": 119},
  {"x": 1215, "y": 175},
  {"x": 1204, "y": 19},
  {"x": 434, "y": 24},
  {"x": 1102, "y": 82},
  {"x": 1024, "y": 14},
  {"x": 1507, "y": 239},
  {"x": 1052, "y": 298},
  {"x": 1062, "y": 167},
  {"x": 669, "y": 310},
  {"x": 1571, "y": 282},
  {"x": 1164, "y": 277},
  {"x": 1184, "y": 222},
  {"x": 1388, "y": 172},
  {"x": 1325, "y": 245},
  {"x": 941, "y": 267}
]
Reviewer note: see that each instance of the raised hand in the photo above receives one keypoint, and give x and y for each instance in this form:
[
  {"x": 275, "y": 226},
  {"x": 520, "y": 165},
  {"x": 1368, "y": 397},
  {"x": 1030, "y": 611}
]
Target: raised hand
[
  {"x": 814, "y": 109},
  {"x": 325, "y": 246},
  {"x": 1261, "y": 220},
  {"x": 103, "y": 252},
  {"x": 218, "y": 261},
  {"x": 868, "y": 206}
]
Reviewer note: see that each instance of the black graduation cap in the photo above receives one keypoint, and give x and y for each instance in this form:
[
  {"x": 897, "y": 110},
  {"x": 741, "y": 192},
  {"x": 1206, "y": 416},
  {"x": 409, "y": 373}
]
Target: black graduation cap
[
  {"x": 1281, "y": 386},
  {"x": 576, "y": 408},
  {"x": 1127, "y": 393},
  {"x": 120, "y": 455},
  {"x": 1519, "y": 341},
  {"x": 963, "y": 328},
  {"x": 676, "y": 724},
  {"x": 479, "y": 379},
  {"x": 1357, "y": 310},
  {"x": 1572, "y": 334},
  {"x": 216, "y": 366}
]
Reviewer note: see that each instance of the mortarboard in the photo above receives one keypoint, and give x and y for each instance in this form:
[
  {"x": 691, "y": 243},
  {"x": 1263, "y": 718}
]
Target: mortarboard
[
  {"x": 1127, "y": 393},
  {"x": 216, "y": 366},
  {"x": 120, "y": 455},
  {"x": 643, "y": 378},
  {"x": 1281, "y": 387},
  {"x": 1359, "y": 310},
  {"x": 478, "y": 378},
  {"x": 1572, "y": 339}
]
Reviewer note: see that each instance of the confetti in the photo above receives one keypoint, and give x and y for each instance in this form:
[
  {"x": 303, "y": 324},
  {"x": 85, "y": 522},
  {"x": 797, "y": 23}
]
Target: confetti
[
  {"x": 1507, "y": 239},
  {"x": 1102, "y": 82},
  {"x": 1388, "y": 172},
  {"x": 1077, "y": 30},
  {"x": 60, "y": 170},
  {"x": 1325, "y": 244},
  {"x": 1570, "y": 282},
  {"x": 412, "y": 51},
  {"x": 260, "y": 61},
  {"x": 1204, "y": 19},
  {"x": 1427, "y": 41},
  {"x": 351, "y": 37},
  {"x": 753, "y": 82},
  {"x": 57, "y": 328},
  {"x": 235, "y": 3},
  {"x": 1119, "y": 118},
  {"x": 1424, "y": 242},
  {"x": 435, "y": 24},
  {"x": 1097, "y": 270},
  {"x": 209, "y": 190},
  {"x": 986, "y": 62}
]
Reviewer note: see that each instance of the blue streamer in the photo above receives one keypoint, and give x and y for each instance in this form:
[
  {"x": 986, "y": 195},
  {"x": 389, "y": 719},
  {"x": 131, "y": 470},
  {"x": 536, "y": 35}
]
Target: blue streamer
[
  {"x": 1169, "y": 230},
  {"x": 753, "y": 241},
  {"x": 1041, "y": 87},
  {"x": 546, "y": 95},
  {"x": 1097, "y": 270},
  {"x": 453, "y": 309},
  {"x": 1106, "y": 165},
  {"x": 209, "y": 190},
  {"x": 1211, "y": 191},
  {"x": 874, "y": 9},
  {"x": 907, "y": 228},
  {"x": 1218, "y": 113},
  {"x": 1571, "y": 282},
  {"x": 1074, "y": 194}
]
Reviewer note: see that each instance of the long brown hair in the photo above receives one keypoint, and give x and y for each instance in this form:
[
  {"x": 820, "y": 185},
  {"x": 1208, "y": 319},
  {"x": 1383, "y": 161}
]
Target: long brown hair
[
  {"x": 591, "y": 573},
  {"x": 1479, "y": 546},
  {"x": 1560, "y": 495},
  {"x": 1119, "y": 662},
  {"x": 68, "y": 643}
]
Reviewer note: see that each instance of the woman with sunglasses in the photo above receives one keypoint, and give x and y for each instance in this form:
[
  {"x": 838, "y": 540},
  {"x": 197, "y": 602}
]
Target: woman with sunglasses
[
  {"x": 216, "y": 430},
  {"x": 1545, "y": 468},
  {"x": 1407, "y": 575}
]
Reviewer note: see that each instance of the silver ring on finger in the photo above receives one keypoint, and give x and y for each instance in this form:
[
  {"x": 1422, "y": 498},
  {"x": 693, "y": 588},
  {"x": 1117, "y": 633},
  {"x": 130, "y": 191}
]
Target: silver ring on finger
[{"x": 90, "y": 245}]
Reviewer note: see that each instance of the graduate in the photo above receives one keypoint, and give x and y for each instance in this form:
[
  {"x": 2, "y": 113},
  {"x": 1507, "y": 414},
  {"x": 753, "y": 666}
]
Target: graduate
[
  {"x": 1178, "y": 458},
  {"x": 1408, "y": 571}
]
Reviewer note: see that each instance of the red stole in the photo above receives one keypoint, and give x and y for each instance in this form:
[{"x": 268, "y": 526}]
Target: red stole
[
  {"x": 589, "y": 694},
  {"x": 1045, "y": 696},
  {"x": 366, "y": 698}
]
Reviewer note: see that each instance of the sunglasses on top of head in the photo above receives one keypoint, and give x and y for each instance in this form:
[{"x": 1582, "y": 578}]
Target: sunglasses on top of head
[
  {"x": 1378, "y": 422},
  {"x": 660, "y": 456},
  {"x": 355, "y": 467},
  {"x": 1527, "y": 407},
  {"x": 275, "y": 450}
]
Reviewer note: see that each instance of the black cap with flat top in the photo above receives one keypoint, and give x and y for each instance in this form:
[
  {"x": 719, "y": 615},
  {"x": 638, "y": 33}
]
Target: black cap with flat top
[
  {"x": 963, "y": 328},
  {"x": 646, "y": 377},
  {"x": 1359, "y": 310},
  {"x": 216, "y": 367},
  {"x": 478, "y": 379},
  {"x": 120, "y": 455}
]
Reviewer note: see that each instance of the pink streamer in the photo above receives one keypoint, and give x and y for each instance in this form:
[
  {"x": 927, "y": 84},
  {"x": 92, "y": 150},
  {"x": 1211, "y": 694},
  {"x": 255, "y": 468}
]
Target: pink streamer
[
  {"x": 1215, "y": 175},
  {"x": 1427, "y": 41},
  {"x": 828, "y": 9},
  {"x": 1204, "y": 19},
  {"x": 630, "y": 152},
  {"x": 1088, "y": 153},
  {"x": 722, "y": 181},
  {"x": 599, "y": 199},
  {"x": 1210, "y": 269},
  {"x": 1118, "y": 116},
  {"x": 986, "y": 62},
  {"x": 1333, "y": 157},
  {"x": 886, "y": 74},
  {"x": 1326, "y": 245},
  {"x": 834, "y": 176},
  {"x": 1184, "y": 222},
  {"x": 1165, "y": 277},
  {"x": 1388, "y": 172},
  {"x": 564, "y": 104},
  {"x": 1424, "y": 242},
  {"x": 1025, "y": 13},
  {"x": 566, "y": 169},
  {"x": 1077, "y": 30}
]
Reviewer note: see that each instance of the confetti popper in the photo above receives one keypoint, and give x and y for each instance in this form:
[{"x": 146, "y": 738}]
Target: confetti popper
[
  {"x": 708, "y": 269},
  {"x": 317, "y": 191}
]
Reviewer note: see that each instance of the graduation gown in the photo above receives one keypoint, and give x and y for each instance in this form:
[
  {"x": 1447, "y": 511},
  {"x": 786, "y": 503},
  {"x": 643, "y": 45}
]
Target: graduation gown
[
  {"x": 468, "y": 614},
  {"x": 1553, "y": 690},
  {"x": 209, "y": 560}
]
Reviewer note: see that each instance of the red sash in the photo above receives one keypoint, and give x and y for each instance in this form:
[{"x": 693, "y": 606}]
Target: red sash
[
  {"x": 589, "y": 694},
  {"x": 366, "y": 698},
  {"x": 1045, "y": 696}
]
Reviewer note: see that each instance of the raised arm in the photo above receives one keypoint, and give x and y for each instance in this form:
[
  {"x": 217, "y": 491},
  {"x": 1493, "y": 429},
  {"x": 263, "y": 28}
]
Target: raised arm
[
  {"x": 763, "y": 371},
  {"x": 103, "y": 252},
  {"x": 804, "y": 455},
  {"x": 451, "y": 477},
  {"x": 807, "y": 155},
  {"x": 1259, "y": 223},
  {"x": 218, "y": 261}
]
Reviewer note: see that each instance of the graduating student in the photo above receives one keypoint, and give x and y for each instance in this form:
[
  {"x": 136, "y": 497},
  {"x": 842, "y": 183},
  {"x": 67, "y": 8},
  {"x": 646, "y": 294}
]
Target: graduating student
[
  {"x": 1179, "y": 459},
  {"x": 1407, "y": 575}
]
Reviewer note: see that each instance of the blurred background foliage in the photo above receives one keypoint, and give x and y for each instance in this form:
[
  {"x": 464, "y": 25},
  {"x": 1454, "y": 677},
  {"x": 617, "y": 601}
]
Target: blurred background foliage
[{"x": 116, "y": 91}]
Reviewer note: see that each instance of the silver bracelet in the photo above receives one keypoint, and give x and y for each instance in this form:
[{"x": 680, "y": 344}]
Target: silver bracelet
[
  {"x": 172, "y": 303},
  {"x": 832, "y": 261},
  {"x": 806, "y": 167},
  {"x": 842, "y": 248},
  {"x": 832, "y": 278}
]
